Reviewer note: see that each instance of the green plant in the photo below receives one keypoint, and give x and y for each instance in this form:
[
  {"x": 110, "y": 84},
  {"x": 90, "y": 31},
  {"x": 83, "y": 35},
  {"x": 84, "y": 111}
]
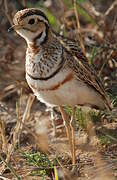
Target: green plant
[{"x": 41, "y": 161}]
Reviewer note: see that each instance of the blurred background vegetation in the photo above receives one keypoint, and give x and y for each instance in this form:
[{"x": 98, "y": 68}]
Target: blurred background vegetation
[{"x": 27, "y": 152}]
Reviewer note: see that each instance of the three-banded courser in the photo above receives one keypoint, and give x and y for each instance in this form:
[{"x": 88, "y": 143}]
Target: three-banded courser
[{"x": 56, "y": 69}]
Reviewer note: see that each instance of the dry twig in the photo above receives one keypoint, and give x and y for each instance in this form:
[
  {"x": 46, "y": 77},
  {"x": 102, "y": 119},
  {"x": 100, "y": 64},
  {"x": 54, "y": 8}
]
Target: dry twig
[
  {"x": 3, "y": 136},
  {"x": 6, "y": 12},
  {"x": 17, "y": 131},
  {"x": 78, "y": 27},
  {"x": 110, "y": 8}
]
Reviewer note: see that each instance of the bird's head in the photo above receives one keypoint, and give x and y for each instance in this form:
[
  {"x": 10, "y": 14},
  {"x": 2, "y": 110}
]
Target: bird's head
[{"x": 31, "y": 24}]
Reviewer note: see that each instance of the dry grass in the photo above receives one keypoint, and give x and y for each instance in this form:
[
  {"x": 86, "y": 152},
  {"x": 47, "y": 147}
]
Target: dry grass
[
  {"x": 28, "y": 149},
  {"x": 25, "y": 158}
]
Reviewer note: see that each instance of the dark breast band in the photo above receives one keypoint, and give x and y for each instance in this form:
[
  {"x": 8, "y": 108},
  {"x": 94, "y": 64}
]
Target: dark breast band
[{"x": 48, "y": 77}]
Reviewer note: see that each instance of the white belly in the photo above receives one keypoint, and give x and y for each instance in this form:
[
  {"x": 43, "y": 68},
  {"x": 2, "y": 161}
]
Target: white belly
[
  {"x": 65, "y": 95},
  {"x": 70, "y": 93}
]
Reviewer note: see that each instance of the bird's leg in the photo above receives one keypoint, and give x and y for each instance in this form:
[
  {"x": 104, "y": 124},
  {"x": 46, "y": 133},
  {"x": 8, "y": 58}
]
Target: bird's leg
[
  {"x": 53, "y": 121},
  {"x": 67, "y": 125},
  {"x": 52, "y": 118},
  {"x": 72, "y": 123}
]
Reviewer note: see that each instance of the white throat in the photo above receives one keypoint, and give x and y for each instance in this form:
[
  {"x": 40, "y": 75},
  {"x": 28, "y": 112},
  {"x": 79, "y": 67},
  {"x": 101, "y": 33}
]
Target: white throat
[{"x": 40, "y": 39}]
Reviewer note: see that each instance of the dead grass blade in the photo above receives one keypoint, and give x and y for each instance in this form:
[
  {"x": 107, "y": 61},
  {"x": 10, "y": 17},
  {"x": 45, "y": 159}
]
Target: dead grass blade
[
  {"x": 3, "y": 178},
  {"x": 55, "y": 173},
  {"x": 98, "y": 160},
  {"x": 78, "y": 26},
  {"x": 10, "y": 167},
  {"x": 17, "y": 131},
  {"x": 3, "y": 137}
]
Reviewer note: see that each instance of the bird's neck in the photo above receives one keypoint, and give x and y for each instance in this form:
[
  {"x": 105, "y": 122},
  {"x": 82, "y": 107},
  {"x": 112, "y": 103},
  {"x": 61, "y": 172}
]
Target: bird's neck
[
  {"x": 44, "y": 60},
  {"x": 41, "y": 41},
  {"x": 41, "y": 38}
]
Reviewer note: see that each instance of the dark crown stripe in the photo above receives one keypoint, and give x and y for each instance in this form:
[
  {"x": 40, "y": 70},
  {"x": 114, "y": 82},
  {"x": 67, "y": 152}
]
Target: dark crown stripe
[{"x": 34, "y": 12}]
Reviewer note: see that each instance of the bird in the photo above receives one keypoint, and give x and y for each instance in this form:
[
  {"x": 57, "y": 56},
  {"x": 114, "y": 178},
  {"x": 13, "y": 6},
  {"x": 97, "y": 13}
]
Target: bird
[{"x": 57, "y": 70}]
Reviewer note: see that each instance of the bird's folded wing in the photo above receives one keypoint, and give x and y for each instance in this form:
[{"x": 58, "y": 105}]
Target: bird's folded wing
[
  {"x": 88, "y": 75},
  {"x": 78, "y": 62}
]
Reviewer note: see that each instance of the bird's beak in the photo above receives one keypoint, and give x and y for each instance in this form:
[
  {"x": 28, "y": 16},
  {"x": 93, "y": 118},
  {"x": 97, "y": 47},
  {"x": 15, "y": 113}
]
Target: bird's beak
[{"x": 14, "y": 27}]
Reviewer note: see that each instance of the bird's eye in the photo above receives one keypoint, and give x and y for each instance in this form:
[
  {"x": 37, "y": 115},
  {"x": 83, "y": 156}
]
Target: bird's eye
[{"x": 31, "y": 21}]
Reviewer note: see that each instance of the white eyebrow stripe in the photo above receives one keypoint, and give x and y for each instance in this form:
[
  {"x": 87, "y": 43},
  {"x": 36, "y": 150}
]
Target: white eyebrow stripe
[{"x": 41, "y": 18}]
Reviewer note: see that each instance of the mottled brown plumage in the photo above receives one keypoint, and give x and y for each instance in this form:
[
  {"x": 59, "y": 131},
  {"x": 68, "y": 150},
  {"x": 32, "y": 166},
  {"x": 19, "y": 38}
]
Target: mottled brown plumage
[
  {"x": 57, "y": 70},
  {"x": 80, "y": 65}
]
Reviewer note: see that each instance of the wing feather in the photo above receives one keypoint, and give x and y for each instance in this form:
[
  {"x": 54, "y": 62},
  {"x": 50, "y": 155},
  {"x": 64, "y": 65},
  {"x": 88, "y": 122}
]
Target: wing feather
[{"x": 79, "y": 64}]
